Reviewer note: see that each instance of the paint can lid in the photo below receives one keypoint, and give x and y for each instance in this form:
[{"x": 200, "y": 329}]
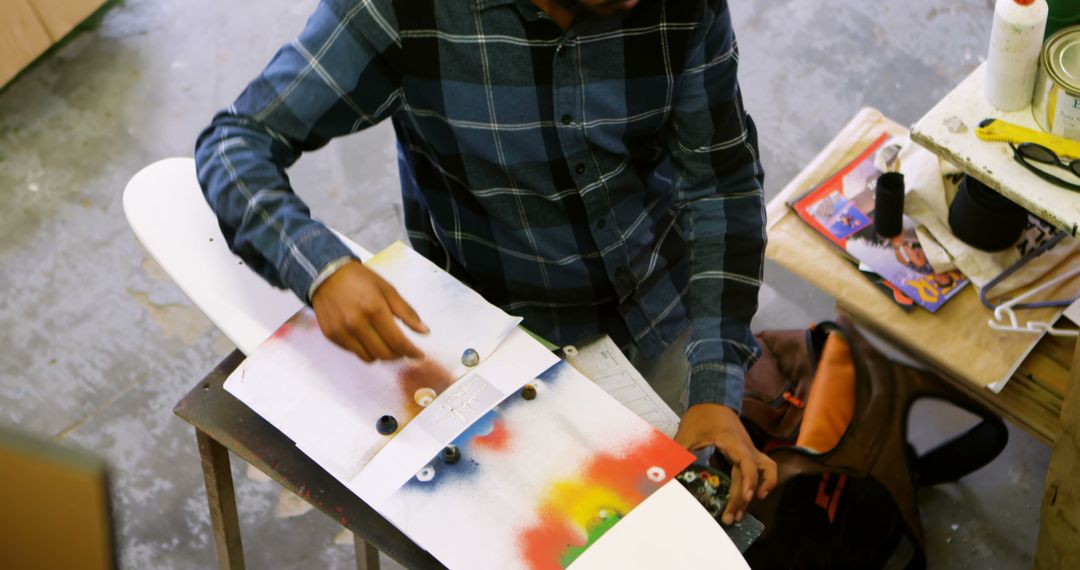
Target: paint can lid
[{"x": 1061, "y": 57}]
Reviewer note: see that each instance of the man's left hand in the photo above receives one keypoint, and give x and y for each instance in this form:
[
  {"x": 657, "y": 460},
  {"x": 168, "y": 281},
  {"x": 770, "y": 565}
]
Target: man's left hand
[{"x": 752, "y": 472}]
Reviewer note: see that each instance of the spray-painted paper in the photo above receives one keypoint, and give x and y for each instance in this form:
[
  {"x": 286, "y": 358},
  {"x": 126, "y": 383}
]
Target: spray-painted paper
[
  {"x": 327, "y": 400},
  {"x": 519, "y": 360},
  {"x": 538, "y": 481}
]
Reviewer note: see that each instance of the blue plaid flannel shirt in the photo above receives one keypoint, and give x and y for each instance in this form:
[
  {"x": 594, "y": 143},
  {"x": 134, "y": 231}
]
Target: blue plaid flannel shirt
[{"x": 599, "y": 180}]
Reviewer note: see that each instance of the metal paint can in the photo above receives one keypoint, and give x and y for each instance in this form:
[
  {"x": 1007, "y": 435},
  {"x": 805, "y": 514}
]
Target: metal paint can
[{"x": 1056, "y": 104}]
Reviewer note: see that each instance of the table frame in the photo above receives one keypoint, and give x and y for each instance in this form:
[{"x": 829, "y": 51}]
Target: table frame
[
  {"x": 223, "y": 424},
  {"x": 991, "y": 163}
]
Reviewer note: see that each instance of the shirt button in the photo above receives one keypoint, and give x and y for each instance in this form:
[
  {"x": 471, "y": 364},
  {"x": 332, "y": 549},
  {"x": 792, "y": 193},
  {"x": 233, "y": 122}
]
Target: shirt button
[
  {"x": 601, "y": 224},
  {"x": 567, "y": 119},
  {"x": 560, "y": 50},
  {"x": 580, "y": 169}
]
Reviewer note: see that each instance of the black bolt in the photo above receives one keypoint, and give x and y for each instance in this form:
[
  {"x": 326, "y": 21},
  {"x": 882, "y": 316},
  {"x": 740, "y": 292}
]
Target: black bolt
[
  {"x": 528, "y": 392},
  {"x": 451, "y": 454},
  {"x": 386, "y": 425}
]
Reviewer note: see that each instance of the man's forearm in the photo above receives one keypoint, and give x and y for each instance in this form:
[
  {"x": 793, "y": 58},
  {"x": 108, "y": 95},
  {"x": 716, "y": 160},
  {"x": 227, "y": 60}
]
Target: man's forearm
[
  {"x": 727, "y": 254},
  {"x": 288, "y": 109},
  {"x": 718, "y": 188},
  {"x": 241, "y": 170}
]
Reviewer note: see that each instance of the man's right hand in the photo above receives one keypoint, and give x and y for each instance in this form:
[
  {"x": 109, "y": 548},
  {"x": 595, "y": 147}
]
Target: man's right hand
[{"x": 356, "y": 309}]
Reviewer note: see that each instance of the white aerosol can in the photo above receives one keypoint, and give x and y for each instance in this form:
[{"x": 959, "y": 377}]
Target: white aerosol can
[{"x": 1013, "y": 58}]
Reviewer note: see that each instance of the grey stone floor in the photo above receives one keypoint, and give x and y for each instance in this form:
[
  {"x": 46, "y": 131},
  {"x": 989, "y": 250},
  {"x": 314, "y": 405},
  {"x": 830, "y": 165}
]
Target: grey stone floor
[{"x": 96, "y": 345}]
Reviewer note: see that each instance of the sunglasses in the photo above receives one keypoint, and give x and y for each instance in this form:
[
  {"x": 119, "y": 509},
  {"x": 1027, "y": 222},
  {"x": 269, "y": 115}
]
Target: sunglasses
[{"x": 1038, "y": 153}]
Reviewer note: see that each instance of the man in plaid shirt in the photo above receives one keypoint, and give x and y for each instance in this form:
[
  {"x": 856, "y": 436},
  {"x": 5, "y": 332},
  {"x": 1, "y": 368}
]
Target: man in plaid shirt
[{"x": 586, "y": 164}]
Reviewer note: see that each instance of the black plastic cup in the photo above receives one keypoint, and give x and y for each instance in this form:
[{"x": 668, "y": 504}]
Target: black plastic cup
[
  {"x": 889, "y": 204},
  {"x": 985, "y": 219}
]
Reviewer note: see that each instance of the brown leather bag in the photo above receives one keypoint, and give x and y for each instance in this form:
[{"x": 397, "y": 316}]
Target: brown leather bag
[{"x": 832, "y": 412}]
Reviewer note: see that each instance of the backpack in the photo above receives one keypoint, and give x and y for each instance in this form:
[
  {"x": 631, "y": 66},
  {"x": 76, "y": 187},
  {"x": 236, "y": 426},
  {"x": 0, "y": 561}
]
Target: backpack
[{"x": 832, "y": 412}]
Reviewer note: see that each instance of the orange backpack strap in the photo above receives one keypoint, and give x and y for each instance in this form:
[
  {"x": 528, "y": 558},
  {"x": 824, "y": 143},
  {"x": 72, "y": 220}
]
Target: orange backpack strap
[{"x": 831, "y": 404}]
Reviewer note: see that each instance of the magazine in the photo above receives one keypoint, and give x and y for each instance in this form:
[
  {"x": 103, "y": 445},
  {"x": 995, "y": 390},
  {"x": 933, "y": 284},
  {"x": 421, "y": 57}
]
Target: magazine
[
  {"x": 891, "y": 291},
  {"x": 842, "y": 210}
]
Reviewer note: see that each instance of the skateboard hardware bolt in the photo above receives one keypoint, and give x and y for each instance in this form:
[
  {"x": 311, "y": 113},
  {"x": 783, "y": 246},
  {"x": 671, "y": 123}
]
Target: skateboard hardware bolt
[
  {"x": 451, "y": 454},
  {"x": 424, "y": 396},
  {"x": 528, "y": 392},
  {"x": 470, "y": 357},
  {"x": 386, "y": 425}
]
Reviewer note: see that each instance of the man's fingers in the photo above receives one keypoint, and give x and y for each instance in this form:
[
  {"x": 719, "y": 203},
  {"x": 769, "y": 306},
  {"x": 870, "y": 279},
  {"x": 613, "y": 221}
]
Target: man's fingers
[
  {"x": 402, "y": 310},
  {"x": 345, "y": 340},
  {"x": 373, "y": 342},
  {"x": 748, "y": 469},
  {"x": 338, "y": 333},
  {"x": 357, "y": 348},
  {"x": 391, "y": 335},
  {"x": 735, "y": 503},
  {"x": 685, "y": 440},
  {"x": 769, "y": 475}
]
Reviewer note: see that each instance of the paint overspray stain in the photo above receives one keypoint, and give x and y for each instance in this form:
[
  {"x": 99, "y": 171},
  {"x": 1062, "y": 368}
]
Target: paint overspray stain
[
  {"x": 542, "y": 545},
  {"x": 489, "y": 432},
  {"x": 303, "y": 320},
  {"x": 576, "y": 511},
  {"x": 424, "y": 373},
  {"x": 498, "y": 439}
]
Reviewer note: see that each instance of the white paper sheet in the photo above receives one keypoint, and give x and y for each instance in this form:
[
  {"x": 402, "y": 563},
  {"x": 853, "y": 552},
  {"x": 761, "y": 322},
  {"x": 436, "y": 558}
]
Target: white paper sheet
[
  {"x": 327, "y": 400},
  {"x": 519, "y": 360},
  {"x": 538, "y": 480},
  {"x": 602, "y": 362},
  {"x": 571, "y": 461},
  {"x": 459, "y": 318}
]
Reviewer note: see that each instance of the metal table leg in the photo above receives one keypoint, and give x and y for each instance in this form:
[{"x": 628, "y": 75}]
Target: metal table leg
[
  {"x": 367, "y": 556},
  {"x": 220, "y": 494}
]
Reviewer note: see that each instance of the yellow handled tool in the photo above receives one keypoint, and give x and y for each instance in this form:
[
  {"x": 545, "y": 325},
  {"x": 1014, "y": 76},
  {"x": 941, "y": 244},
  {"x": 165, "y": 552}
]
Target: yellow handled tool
[{"x": 996, "y": 130}]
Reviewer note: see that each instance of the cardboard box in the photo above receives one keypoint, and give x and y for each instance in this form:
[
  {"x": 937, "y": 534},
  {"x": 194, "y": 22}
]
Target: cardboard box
[
  {"x": 61, "y": 16},
  {"x": 29, "y": 27},
  {"x": 22, "y": 38}
]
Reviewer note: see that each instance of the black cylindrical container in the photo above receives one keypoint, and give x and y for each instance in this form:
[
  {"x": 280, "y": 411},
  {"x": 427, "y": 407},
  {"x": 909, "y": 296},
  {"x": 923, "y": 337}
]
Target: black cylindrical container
[
  {"x": 985, "y": 219},
  {"x": 889, "y": 204}
]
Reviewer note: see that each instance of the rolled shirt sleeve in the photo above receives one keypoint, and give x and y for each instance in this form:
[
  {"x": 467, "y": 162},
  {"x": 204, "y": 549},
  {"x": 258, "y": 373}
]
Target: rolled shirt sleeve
[
  {"x": 330, "y": 81},
  {"x": 712, "y": 143}
]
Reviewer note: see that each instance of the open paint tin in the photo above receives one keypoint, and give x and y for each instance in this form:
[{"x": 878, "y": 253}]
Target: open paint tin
[{"x": 1056, "y": 104}]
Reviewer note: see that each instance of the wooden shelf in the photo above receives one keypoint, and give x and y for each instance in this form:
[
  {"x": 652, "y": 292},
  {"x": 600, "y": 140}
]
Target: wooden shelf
[
  {"x": 947, "y": 340},
  {"x": 990, "y": 162}
]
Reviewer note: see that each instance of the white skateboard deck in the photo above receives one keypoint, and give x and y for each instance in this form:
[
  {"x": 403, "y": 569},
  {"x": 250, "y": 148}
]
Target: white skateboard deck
[{"x": 166, "y": 209}]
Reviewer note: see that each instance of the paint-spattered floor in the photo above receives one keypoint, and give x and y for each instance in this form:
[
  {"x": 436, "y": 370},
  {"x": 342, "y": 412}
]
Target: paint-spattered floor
[{"x": 96, "y": 345}]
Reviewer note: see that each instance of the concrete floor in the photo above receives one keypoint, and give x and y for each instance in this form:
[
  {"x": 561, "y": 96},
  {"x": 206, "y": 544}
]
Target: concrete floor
[{"x": 96, "y": 345}]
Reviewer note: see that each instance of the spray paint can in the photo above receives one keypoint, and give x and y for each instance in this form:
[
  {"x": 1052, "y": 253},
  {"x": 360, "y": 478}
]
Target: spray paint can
[
  {"x": 1013, "y": 58},
  {"x": 1057, "y": 90}
]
